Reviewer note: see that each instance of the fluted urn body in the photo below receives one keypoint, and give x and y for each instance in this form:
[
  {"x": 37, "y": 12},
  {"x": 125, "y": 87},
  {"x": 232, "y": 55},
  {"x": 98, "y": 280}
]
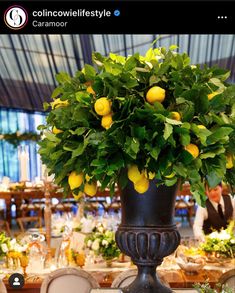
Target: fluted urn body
[{"x": 147, "y": 233}]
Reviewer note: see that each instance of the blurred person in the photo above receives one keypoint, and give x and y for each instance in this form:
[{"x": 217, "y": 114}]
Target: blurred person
[{"x": 219, "y": 210}]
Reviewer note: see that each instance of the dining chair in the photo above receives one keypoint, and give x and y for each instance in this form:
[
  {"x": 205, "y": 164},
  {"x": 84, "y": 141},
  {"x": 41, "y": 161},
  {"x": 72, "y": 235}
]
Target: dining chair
[
  {"x": 3, "y": 288},
  {"x": 22, "y": 221},
  {"x": 228, "y": 279},
  {"x": 32, "y": 209},
  {"x": 68, "y": 280},
  {"x": 4, "y": 226},
  {"x": 184, "y": 208},
  {"x": 126, "y": 278}
]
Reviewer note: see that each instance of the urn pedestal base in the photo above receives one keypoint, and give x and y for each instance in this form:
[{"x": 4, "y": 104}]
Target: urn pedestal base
[
  {"x": 147, "y": 233},
  {"x": 147, "y": 246},
  {"x": 146, "y": 282}
]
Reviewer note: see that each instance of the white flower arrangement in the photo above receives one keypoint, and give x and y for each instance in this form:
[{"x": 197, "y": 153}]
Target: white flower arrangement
[
  {"x": 8, "y": 245},
  {"x": 221, "y": 243},
  {"x": 102, "y": 242},
  {"x": 16, "y": 246}
]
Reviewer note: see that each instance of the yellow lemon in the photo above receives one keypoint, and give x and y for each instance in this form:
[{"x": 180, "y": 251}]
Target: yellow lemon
[
  {"x": 78, "y": 196},
  {"x": 176, "y": 116},
  {"x": 56, "y": 130},
  {"x": 155, "y": 94},
  {"x": 211, "y": 96},
  {"x": 150, "y": 175},
  {"x": 134, "y": 174},
  {"x": 142, "y": 185},
  {"x": 58, "y": 103},
  {"x": 75, "y": 180},
  {"x": 192, "y": 149},
  {"x": 90, "y": 188},
  {"x": 107, "y": 121},
  {"x": 103, "y": 106},
  {"x": 90, "y": 90},
  {"x": 200, "y": 126},
  {"x": 229, "y": 161}
]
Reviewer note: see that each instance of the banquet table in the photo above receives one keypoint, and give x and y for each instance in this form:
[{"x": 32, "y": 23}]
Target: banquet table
[
  {"x": 105, "y": 276},
  {"x": 17, "y": 196}
]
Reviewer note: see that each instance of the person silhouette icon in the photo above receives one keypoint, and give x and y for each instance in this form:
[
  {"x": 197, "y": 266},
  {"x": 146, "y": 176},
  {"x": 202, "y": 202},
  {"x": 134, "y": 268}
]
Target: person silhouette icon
[{"x": 16, "y": 281}]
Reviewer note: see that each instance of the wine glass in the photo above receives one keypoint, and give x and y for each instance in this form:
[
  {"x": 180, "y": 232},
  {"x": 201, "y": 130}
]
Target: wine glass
[{"x": 24, "y": 261}]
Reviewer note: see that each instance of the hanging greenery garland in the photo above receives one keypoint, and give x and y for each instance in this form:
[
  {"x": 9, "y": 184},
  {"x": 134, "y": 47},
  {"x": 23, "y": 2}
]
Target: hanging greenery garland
[{"x": 16, "y": 138}]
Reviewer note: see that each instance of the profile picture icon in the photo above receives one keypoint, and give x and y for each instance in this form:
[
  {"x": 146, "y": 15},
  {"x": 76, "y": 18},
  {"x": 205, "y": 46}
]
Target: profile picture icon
[
  {"x": 16, "y": 17},
  {"x": 16, "y": 281}
]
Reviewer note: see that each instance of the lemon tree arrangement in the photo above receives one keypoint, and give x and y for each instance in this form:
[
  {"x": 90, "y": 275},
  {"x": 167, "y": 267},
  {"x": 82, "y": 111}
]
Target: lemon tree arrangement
[
  {"x": 220, "y": 244},
  {"x": 141, "y": 118}
]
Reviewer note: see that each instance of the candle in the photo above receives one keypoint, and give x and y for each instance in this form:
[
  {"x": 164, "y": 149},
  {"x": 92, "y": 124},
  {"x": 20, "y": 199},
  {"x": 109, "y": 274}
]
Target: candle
[
  {"x": 44, "y": 173},
  {"x": 24, "y": 158}
]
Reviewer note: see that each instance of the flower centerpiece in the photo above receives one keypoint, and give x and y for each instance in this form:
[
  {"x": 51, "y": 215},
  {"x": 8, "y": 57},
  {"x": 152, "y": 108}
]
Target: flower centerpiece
[
  {"x": 4, "y": 244},
  {"x": 206, "y": 288},
  {"x": 220, "y": 244},
  {"x": 155, "y": 115},
  {"x": 102, "y": 242},
  {"x": 12, "y": 249}
]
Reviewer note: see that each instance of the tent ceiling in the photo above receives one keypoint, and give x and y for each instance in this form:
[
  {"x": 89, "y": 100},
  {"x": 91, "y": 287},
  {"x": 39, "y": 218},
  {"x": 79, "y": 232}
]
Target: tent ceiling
[{"x": 28, "y": 63}]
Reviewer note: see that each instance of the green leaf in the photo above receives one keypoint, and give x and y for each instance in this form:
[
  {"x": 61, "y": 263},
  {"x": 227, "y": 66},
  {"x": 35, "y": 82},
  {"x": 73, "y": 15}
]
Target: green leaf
[
  {"x": 218, "y": 83},
  {"x": 118, "y": 58},
  {"x": 154, "y": 152},
  {"x": 212, "y": 154},
  {"x": 199, "y": 195},
  {"x": 186, "y": 125},
  {"x": 185, "y": 139},
  {"x": 180, "y": 169},
  {"x": 63, "y": 77},
  {"x": 57, "y": 91},
  {"x": 139, "y": 132},
  {"x": 89, "y": 71},
  {"x": 173, "y": 122},
  {"x": 150, "y": 55},
  {"x": 173, "y": 47},
  {"x": 170, "y": 182},
  {"x": 131, "y": 63},
  {"x": 99, "y": 162},
  {"x": 154, "y": 79},
  {"x": 221, "y": 73},
  {"x": 114, "y": 69},
  {"x": 194, "y": 175},
  {"x": 80, "y": 149},
  {"x": 79, "y": 131},
  {"x": 46, "y": 106},
  {"x": 213, "y": 178},
  {"x": 167, "y": 130},
  {"x": 218, "y": 134},
  {"x": 83, "y": 97},
  {"x": 51, "y": 137},
  {"x": 123, "y": 179},
  {"x": 185, "y": 157},
  {"x": 131, "y": 147}
]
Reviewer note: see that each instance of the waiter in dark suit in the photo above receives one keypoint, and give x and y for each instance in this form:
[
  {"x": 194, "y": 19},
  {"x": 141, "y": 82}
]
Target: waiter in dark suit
[{"x": 219, "y": 210}]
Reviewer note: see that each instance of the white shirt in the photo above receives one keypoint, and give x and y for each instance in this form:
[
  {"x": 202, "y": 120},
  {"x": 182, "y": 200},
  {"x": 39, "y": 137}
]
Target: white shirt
[{"x": 202, "y": 215}]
